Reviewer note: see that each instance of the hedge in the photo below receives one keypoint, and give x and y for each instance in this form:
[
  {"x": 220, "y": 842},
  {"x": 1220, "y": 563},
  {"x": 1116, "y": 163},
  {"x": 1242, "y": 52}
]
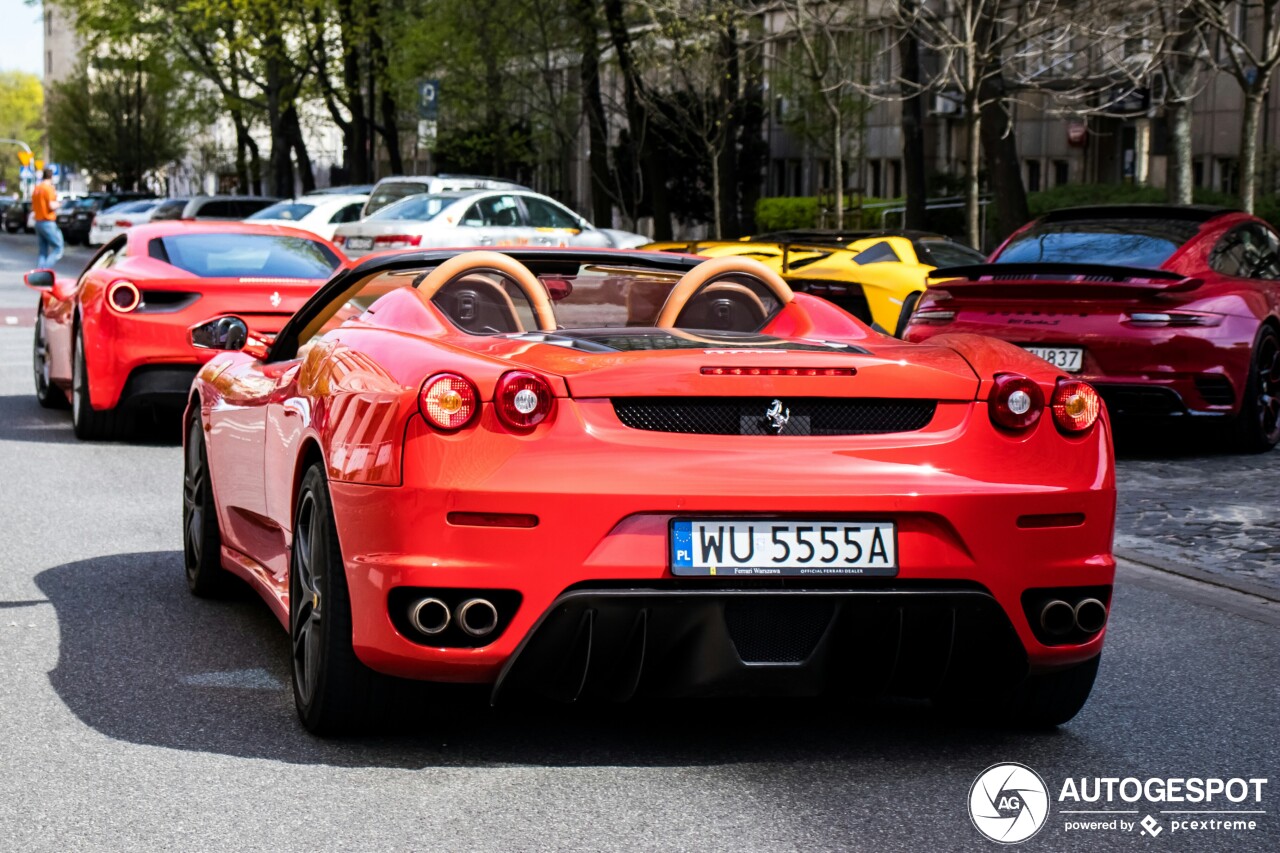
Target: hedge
[{"x": 780, "y": 214}]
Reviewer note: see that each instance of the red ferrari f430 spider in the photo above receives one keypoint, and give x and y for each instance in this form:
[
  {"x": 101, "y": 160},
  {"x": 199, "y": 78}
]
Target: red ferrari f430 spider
[
  {"x": 133, "y": 329},
  {"x": 1167, "y": 311},
  {"x": 593, "y": 474}
]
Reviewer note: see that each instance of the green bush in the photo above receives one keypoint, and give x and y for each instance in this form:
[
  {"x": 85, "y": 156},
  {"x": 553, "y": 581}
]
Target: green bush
[
  {"x": 780, "y": 214},
  {"x": 1076, "y": 195}
]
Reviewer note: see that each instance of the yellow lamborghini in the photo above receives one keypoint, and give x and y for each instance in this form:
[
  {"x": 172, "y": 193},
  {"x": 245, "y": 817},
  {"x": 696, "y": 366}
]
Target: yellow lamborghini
[{"x": 877, "y": 276}]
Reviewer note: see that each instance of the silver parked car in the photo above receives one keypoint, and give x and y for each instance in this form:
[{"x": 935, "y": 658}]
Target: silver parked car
[{"x": 477, "y": 218}]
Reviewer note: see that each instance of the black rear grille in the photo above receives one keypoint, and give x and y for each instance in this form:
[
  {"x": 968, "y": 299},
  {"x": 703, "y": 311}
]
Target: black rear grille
[
  {"x": 777, "y": 631},
  {"x": 748, "y": 415},
  {"x": 1215, "y": 389}
]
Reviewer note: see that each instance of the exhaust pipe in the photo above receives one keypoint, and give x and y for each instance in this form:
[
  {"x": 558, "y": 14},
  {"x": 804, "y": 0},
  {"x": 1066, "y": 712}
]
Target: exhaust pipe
[
  {"x": 430, "y": 616},
  {"x": 478, "y": 617},
  {"x": 1057, "y": 618},
  {"x": 1090, "y": 615}
]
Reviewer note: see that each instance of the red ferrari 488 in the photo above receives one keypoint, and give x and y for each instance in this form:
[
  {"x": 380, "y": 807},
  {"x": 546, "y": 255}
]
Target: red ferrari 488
[
  {"x": 601, "y": 474},
  {"x": 132, "y": 330},
  {"x": 1167, "y": 311}
]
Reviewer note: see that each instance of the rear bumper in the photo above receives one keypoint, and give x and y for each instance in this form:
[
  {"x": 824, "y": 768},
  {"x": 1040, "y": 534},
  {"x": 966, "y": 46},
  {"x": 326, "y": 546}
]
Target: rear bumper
[
  {"x": 975, "y": 511},
  {"x": 159, "y": 385}
]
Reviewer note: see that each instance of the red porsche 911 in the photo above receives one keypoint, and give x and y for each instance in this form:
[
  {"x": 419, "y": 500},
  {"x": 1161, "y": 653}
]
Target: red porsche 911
[
  {"x": 132, "y": 330},
  {"x": 1167, "y": 311},
  {"x": 593, "y": 474}
]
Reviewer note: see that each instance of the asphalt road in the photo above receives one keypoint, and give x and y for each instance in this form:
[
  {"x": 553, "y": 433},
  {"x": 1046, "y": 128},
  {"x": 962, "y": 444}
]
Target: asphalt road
[{"x": 134, "y": 717}]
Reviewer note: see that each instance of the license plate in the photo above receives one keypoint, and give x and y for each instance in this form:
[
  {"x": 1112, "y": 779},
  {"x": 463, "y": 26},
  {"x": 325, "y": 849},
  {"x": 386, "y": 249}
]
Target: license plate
[
  {"x": 359, "y": 242},
  {"x": 704, "y": 547},
  {"x": 1067, "y": 358},
  {"x": 105, "y": 228}
]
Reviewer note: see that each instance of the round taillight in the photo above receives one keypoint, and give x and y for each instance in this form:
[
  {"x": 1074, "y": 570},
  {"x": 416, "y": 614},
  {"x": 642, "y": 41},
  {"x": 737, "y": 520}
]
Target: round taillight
[
  {"x": 523, "y": 400},
  {"x": 448, "y": 401},
  {"x": 124, "y": 296},
  {"x": 1015, "y": 402},
  {"x": 1076, "y": 406}
]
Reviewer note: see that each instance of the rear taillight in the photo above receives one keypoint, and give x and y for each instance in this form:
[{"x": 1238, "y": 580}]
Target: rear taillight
[
  {"x": 1075, "y": 405},
  {"x": 1015, "y": 402},
  {"x": 448, "y": 401},
  {"x": 933, "y": 316},
  {"x": 124, "y": 223},
  {"x": 339, "y": 239},
  {"x": 1174, "y": 318},
  {"x": 397, "y": 241},
  {"x": 123, "y": 296},
  {"x": 523, "y": 400},
  {"x": 93, "y": 223}
]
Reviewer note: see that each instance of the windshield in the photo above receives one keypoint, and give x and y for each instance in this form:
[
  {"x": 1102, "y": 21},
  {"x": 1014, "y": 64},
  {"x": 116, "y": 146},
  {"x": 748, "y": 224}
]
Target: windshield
[
  {"x": 288, "y": 210},
  {"x": 230, "y": 255},
  {"x": 419, "y": 208},
  {"x": 389, "y": 193},
  {"x": 1127, "y": 243}
]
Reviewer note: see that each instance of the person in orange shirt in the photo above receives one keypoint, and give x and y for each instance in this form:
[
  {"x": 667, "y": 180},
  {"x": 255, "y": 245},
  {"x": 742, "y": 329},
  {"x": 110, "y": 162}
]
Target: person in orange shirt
[{"x": 44, "y": 201}]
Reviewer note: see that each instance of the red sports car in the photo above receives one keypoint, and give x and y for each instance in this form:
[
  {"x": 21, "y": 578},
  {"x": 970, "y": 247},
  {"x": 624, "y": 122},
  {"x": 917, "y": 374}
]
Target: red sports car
[
  {"x": 131, "y": 331},
  {"x": 1167, "y": 311},
  {"x": 596, "y": 474}
]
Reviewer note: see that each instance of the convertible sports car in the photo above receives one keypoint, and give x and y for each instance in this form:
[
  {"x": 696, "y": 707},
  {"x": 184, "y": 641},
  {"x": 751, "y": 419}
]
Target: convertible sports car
[
  {"x": 1168, "y": 311},
  {"x": 131, "y": 332},
  {"x": 877, "y": 276},
  {"x": 596, "y": 474}
]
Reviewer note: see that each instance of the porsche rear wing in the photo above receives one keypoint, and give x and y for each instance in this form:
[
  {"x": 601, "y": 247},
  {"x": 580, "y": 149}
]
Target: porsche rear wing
[{"x": 1075, "y": 281}]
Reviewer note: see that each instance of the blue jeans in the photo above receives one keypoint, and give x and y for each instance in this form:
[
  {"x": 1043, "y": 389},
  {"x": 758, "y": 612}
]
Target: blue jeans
[{"x": 50, "y": 239}]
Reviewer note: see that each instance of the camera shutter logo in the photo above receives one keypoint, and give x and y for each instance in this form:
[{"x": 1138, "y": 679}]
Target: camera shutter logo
[{"x": 1008, "y": 803}]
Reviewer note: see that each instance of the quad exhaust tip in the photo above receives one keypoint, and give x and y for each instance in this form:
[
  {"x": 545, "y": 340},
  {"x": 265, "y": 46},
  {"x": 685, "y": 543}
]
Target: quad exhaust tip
[
  {"x": 1090, "y": 615},
  {"x": 1057, "y": 618},
  {"x": 430, "y": 616},
  {"x": 477, "y": 617}
]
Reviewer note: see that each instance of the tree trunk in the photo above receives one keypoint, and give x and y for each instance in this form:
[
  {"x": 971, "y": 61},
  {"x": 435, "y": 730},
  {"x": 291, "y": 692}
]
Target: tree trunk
[
  {"x": 1004, "y": 172},
  {"x": 1249, "y": 147},
  {"x": 637, "y": 120},
  {"x": 726, "y": 156},
  {"x": 588, "y": 21},
  {"x": 715, "y": 193},
  {"x": 390, "y": 130},
  {"x": 356, "y": 138},
  {"x": 242, "y": 149},
  {"x": 837, "y": 162},
  {"x": 299, "y": 145},
  {"x": 1180, "y": 175},
  {"x": 972, "y": 208},
  {"x": 913, "y": 156}
]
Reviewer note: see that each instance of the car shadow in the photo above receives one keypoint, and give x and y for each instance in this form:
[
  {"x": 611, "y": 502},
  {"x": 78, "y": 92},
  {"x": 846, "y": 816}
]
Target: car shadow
[
  {"x": 24, "y": 419},
  {"x": 1172, "y": 439},
  {"x": 142, "y": 661}
]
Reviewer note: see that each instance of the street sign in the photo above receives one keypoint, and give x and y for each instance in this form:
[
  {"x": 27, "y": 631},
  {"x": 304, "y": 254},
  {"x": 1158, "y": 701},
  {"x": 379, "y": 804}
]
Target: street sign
[
  {"x": 428, "y": 99},
  {"x": 26, "y": 173},
  {"x": 25, "y": 157}
]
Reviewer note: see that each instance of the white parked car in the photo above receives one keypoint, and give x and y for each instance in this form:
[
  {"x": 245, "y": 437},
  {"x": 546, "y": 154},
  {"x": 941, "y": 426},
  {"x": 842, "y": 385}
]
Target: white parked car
[
  {"x": 320, "y": 213},
  {"x": 110, "y": 222},
  {"x": 390, "y": 190},
  {"x": 477, "y": 218}
]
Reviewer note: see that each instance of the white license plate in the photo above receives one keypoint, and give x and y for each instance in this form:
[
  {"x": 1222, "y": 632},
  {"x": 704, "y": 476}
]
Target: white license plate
[
  {"x": 104, "y": 228},
  {"x": 1067, "y": 358},
  {"x": 359, "y": 242},
  {"x": 714, "y": 546}
]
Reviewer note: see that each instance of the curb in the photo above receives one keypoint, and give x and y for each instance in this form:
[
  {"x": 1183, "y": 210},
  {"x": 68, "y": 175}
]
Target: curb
[{"x": 1175, "y": 568}]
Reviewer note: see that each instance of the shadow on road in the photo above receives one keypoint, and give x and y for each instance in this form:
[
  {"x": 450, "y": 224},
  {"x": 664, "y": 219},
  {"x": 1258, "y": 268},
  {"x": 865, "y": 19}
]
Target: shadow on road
[
  {"x": 142, "y": 661},
  {"x": 23, "y": 419},
  {"x": 1172, "y": 439}
]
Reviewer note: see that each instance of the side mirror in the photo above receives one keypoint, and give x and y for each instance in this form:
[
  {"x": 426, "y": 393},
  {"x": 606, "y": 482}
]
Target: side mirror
[
  {"x": 220, "y": 333},
  {"x": 39, "y": 279}
]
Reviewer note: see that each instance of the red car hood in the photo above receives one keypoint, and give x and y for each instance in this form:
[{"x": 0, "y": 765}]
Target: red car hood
[{"x": 653, "y": 362}]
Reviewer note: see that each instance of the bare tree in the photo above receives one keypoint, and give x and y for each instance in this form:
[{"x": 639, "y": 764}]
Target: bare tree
[{"x": 1249, "y": 34}]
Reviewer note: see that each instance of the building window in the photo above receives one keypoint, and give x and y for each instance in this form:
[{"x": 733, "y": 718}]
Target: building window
[
  {"x": 1061, "y": 172},
  {"x": 876, "y": 183},
  {"x": 48, "y": 63},
  {"x": 1197, "y": 172},
  {"x": 895, "y": 178},
  {"x": 1033, "y": 176},
  {"x": 1228, "y": 175}
]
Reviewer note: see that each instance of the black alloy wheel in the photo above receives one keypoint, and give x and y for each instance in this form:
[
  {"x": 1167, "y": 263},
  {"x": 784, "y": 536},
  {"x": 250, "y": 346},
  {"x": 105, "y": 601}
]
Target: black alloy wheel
[
  {"x": 334, "y": 692},
  {"x": 201, "y": 539},
  {"x": 1258, "y": 425},
  {"x": 48, "y": 395},
  {"x": 89, "y": 423}
]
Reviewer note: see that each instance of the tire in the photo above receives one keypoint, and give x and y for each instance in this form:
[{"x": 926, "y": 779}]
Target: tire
[
  {"x": 12, "y": 229},
  {"x": 1257, "y": 427},
  {"x": 904, "y": 316},
  {"x": 201, "y": 538},
  {"x": 333, "y": 691},
  {"x": 48, "y": 394},
  {"x": 88, "y": 423}
]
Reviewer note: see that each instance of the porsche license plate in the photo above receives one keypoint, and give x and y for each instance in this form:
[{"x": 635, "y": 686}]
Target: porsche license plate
[
  {"x": 1067, "y": 358},
  {"x": 359, "y": 242},
  {"x": 703, "y": 547}
]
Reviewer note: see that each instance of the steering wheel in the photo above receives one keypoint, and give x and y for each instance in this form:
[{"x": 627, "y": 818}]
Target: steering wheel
[
  {"x": 469, "y": 263},
  {"x": 711, "y": 271}
]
